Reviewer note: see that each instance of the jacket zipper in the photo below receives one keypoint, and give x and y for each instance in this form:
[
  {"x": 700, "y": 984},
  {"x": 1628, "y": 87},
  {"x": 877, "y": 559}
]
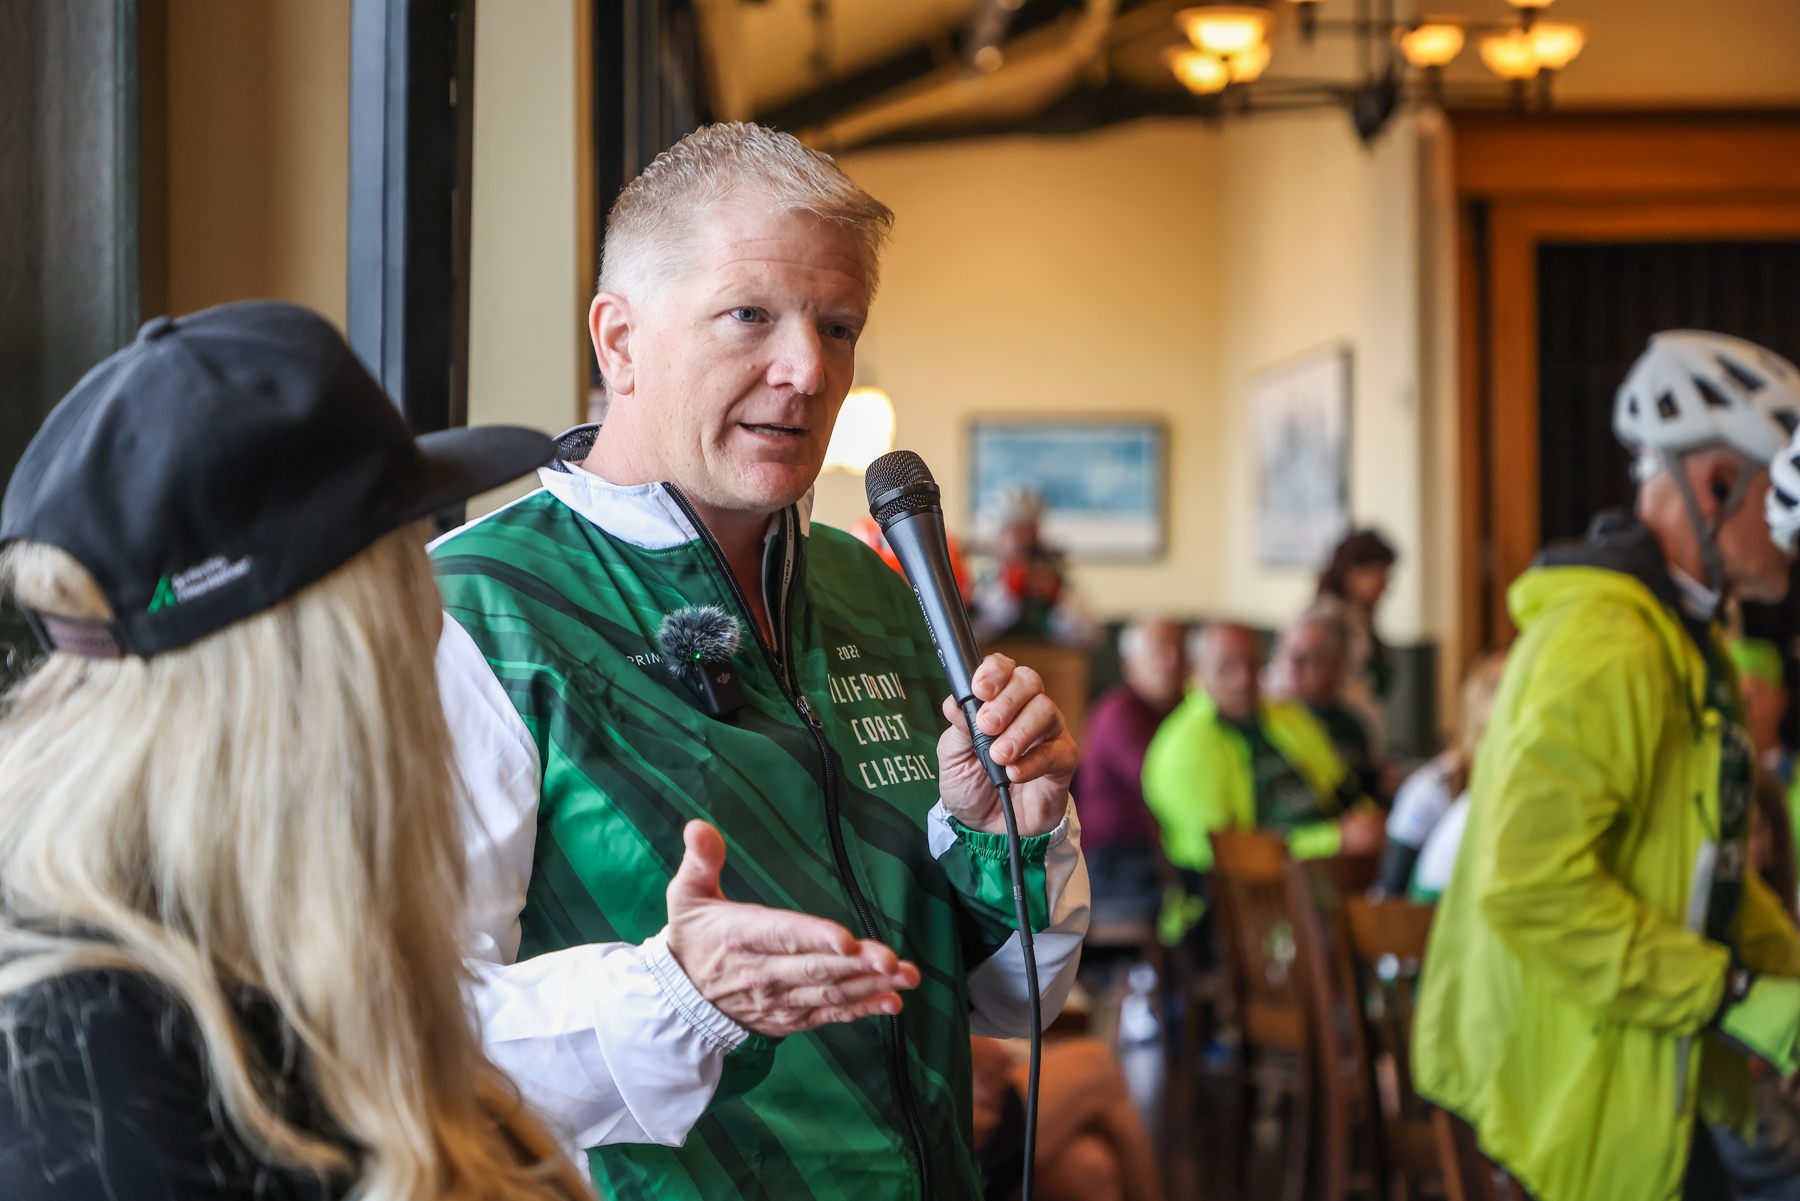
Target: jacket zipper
[{"x": 865, "y": 915}]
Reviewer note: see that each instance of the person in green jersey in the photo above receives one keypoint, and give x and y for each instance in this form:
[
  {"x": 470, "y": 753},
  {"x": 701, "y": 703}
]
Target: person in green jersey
[
  {"x": 1229, "y": 758},
  {"x": 1761, "y": 678},
  {"x": 1601, "y": 960},
  {"x": 838, "y": 782},
  {"x": 1310, "y": 662}
]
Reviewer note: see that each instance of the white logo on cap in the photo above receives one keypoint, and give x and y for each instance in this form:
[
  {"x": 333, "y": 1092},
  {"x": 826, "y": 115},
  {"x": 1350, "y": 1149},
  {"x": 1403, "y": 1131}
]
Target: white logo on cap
[{"x": 216, "y": 572}]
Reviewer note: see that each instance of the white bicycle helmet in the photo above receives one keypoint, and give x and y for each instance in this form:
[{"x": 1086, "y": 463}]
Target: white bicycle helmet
[
  {"x": 1691, "y": 389},
  {"x": 1782, "y": 503}
]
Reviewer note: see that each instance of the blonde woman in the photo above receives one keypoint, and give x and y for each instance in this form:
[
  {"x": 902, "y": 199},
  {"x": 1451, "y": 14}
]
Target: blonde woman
[{"x": 228, "y": 839}]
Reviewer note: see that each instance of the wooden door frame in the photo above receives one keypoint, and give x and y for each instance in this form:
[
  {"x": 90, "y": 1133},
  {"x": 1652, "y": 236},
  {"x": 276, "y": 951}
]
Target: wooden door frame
[{"x": 1580, "y": 177}]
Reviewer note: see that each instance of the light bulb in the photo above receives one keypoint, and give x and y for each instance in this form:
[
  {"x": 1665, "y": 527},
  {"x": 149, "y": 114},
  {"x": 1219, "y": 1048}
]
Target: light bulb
[
  {"x": 1529, "y": 3},
  {"x": 1510, "y": 55},
  {"x": 1432, "y": 45},
  {"x": 1249, "y": 64},
  {"x": 1556, "y": 44},
  {"x": 1224, "y": 29},
  {"x": 863, "y": 433},
  {"x": 1199, "y": 72}
]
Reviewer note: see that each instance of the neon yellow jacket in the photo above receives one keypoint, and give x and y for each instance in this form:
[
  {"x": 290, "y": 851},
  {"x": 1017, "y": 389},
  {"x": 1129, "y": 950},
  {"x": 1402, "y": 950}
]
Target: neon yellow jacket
[
  {"x": 1565, "y": 993},
  {"x": 1197, "y": 777}
]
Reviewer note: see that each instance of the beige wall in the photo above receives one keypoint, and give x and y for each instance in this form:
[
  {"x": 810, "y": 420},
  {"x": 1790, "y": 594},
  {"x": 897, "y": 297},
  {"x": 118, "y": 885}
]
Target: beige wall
[
  {"x": 1153, "y": 268},
  {"x": 258, "y": 138},
  {"x": 527, "y": 288},
  {"x": 1046, "y": 276}
]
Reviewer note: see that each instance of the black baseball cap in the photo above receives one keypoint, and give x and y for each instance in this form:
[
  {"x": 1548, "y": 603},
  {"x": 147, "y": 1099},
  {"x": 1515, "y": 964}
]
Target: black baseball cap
[{"x": 224, "y": 461}]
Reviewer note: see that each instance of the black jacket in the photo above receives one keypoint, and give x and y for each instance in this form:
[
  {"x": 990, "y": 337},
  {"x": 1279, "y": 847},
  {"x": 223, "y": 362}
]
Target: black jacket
[{"x": 109, "y": 1100}]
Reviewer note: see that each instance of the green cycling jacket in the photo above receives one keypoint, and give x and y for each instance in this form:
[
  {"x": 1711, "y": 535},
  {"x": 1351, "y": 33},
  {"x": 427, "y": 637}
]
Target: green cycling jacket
[
  {"x": 1198, "y": 777},
  {"x": 824, "y": 787},
  {"x": 1566, "y": 991}
]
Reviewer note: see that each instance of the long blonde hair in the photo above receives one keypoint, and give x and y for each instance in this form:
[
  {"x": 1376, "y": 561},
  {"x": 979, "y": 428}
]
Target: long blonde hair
[{"x": 271, "y": 807}]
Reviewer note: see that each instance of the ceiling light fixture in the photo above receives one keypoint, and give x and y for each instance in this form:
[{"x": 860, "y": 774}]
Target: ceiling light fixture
[
  {"x": 1556, "y": 44},
  {"x": 1246, "y": 65},
  {"x": 1434, "y": 44},
  {"x": 1511, "y": 56},
  {"x": 1400, "y": 61},
  {"x": 1199, "y": 72},
  {"x": 1224, "y": 29}
]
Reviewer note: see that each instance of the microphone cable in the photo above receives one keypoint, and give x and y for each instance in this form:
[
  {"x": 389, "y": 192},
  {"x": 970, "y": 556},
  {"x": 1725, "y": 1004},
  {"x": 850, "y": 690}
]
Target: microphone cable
[
  {"x": 1022, "y": 908},
  {"x": 905, "y": 502},
  {"x": 1015, "y": 855}
]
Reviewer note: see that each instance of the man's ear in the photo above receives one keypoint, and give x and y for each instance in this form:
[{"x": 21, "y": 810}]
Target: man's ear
[
  {"x": 609, "y": 325},
  {"x": 1721, "y": 487}
]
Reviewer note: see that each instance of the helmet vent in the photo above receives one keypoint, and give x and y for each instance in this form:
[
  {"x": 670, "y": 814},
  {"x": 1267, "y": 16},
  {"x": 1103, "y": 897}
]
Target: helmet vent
[
  {"x": 1787, "y": 502},
  {"x": 1745, "y": 380},
  {"x": 1665, "y": 405},
  {"x": 1787, "y": 419},
  {"x": 1631, "y": 405},
  {"x": 1714, "y": 398}
]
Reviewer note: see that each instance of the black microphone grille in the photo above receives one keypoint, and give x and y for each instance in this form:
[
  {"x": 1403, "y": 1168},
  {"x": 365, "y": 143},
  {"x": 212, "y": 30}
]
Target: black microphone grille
[{"x": 896, "y": 469}]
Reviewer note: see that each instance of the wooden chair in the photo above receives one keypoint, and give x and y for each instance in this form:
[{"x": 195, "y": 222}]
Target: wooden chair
[
  {"x": 1267, "y": 983},
  {"x": 1064, "y": 670},
  {"x": 1468, "y": 1174},
  {"x": 1387, "y": 945},
  {"x": 1426, "y": 1149},
  {"x": 1346, "y": 1109}
]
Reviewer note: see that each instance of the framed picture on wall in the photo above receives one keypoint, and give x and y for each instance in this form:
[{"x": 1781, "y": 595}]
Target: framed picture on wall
[
  {"x": 1300, "y": 412},
  {"x": 1102, "y": 481}
]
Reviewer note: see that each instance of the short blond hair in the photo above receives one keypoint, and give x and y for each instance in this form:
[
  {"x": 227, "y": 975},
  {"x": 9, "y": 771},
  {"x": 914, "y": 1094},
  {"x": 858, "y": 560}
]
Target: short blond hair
[{"x": 653, "y": 220}]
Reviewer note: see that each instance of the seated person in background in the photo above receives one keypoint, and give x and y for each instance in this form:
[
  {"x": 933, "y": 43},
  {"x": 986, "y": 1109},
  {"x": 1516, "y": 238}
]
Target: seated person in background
[
  {"x": 1430, "y": 808},
  {"x": 1761, "y": 680},
  {"x": 1026, "y": 594},
  {"x": 1118, "y": 834},
  {"x": 1310, "y": 662},
  {"x": 1228, "y": 759},
  {"x": 1767, "y": 1167},
  {"x": 1091, "y": 1144}
]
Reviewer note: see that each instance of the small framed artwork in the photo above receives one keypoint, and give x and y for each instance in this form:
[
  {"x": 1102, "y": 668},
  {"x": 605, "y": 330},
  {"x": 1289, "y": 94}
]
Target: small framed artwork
[
  {"x": 1102, "y": 481},
  {"x": 1301, "y": 415}
]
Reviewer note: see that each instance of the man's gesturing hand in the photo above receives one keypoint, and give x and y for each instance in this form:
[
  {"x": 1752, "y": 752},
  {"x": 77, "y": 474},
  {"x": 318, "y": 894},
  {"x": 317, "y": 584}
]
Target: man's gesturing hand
[
  {"x": 1030, "y": 741},
  {"x": 771, "y": 970}
]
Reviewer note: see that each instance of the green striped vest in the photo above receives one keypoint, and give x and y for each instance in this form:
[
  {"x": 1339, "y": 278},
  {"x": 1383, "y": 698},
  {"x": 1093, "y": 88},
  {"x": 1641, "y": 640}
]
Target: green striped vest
[{"x": 829, "y": 819}]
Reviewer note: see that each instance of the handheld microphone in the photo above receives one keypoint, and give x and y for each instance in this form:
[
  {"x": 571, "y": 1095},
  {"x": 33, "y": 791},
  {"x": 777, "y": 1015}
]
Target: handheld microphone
[{"x": 906, "y": 503}]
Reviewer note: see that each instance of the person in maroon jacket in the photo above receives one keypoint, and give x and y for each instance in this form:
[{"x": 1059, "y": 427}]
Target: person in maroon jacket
[{"x": 1118, "y": 834}]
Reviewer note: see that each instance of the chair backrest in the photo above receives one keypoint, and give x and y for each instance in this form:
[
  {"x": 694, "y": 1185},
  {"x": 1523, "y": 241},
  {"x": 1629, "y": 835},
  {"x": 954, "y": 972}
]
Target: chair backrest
[
  {"x": 1387, "y": 940},
  {"x": 1250, "y": 887},
  {"x": 1318, "y": 891},
  {"x": 1468, "y": 1174}
]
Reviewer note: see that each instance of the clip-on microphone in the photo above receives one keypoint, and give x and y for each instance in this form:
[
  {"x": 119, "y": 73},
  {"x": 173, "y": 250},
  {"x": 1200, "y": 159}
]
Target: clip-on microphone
[
  {"x": 905, "y": 502},
  {"x": 697, "y": 645}
]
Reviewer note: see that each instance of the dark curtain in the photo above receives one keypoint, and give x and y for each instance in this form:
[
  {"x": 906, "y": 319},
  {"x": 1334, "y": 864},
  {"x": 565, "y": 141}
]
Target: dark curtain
[{"x": 1598, "y": 303}]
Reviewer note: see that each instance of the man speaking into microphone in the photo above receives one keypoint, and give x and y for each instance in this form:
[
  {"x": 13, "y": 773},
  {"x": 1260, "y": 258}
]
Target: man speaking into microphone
[{"x": 661, "y": 635}]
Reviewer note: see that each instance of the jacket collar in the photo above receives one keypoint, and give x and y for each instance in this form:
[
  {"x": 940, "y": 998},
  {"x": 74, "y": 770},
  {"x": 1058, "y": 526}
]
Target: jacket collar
[
  {"x": 1618, "y": 541},
  {"x": 644, "y": 515}
]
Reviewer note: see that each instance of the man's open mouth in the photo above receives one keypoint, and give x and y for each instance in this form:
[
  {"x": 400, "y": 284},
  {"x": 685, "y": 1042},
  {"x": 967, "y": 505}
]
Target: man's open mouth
[{"x": 777, "y": 431}]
